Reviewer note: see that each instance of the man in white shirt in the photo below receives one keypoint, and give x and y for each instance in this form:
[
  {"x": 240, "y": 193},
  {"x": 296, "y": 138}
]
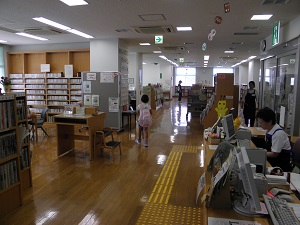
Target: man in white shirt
[{"x": 277, "y": 142}]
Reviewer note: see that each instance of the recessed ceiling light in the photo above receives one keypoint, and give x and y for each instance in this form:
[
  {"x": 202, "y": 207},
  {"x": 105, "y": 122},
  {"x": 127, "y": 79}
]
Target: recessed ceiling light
[
  {"x": 144, "y": 44},
  {"x": 74, "y": 2},
  {"x": 144, "y": 63},
  {"x": 184, "y": 28},
  {"x": 157, "y": 52},
  {"x": 205, "y": 62},
  {"x": 2, "y": 41},
  {"x": 206, "y": 57},
  {"x": 229, "y": 52},
  {"x": 261, "y": 17},
  {"x": 32, "y": 36}
]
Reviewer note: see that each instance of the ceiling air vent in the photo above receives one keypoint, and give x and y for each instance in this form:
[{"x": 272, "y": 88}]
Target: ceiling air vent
[
  {"x": 172, "y": 48},
  {"x": 154, "y": 29},
  {"x": 248, "y": 33},
  {"x": 43, "y": 31},
  {"x": 274, "y": 2},
  {"x": 251, "y": 27}
]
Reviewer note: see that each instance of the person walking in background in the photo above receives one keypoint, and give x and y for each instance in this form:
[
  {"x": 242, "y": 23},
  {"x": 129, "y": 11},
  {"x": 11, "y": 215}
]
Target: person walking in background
[
  {"x": 249, "y": 104},
  {"x": 179, "y": 90},
  {"x": 144, "y": 120},
  {"x": 277, "y": 142}
]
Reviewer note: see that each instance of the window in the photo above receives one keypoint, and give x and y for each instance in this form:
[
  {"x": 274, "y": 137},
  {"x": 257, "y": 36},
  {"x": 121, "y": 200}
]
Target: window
[
  {"x": 222, "y": 70},
  {"x": 186, "y": 75}
]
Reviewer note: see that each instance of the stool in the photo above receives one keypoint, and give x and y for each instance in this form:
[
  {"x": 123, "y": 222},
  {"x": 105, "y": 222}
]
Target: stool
[{"x": 129, "y": 114}]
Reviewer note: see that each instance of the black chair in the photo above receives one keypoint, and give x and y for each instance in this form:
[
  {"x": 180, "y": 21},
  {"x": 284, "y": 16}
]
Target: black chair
[
  {"x": 40, "y": 122},
  {"x": 296, "y": 153},
  {"x": 100, "y": 141}
]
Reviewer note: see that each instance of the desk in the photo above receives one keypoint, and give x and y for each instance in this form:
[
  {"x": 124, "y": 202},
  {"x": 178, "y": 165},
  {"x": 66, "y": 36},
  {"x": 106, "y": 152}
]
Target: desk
[
  {"x": 257, "y": 132},
  {"x": 129, "y": 114},
  {"x": 168, "y": 94},
  {"x": 66, "y": 135}
]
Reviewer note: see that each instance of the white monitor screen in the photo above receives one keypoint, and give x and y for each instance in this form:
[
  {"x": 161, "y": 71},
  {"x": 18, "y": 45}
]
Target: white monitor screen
[{"x": 228, "y": 126}]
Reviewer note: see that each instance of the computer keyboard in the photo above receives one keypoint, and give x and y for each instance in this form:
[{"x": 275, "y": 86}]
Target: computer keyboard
[
  {"x": 243, "y": 143},
  {"x": 280, "y": 212}
]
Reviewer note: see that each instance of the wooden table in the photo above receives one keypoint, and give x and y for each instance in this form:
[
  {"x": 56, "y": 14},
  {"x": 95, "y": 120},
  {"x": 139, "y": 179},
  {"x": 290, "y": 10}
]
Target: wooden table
[
  {"x": 66, "y": 133},
  {"x": 129, "y": 114}
]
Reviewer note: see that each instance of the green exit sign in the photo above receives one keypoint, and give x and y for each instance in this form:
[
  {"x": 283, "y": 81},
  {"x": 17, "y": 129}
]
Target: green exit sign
[
  {"x": 159, "y": 39},
  {"x": 275, "y": 33},
  {"x": 181, "y": 59}
]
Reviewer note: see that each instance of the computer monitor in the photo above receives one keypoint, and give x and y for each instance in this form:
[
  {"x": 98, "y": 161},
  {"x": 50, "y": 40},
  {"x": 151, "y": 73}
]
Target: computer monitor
[
  {"x": 246, "y": 200},
  {"x": 228, "y": 127}
]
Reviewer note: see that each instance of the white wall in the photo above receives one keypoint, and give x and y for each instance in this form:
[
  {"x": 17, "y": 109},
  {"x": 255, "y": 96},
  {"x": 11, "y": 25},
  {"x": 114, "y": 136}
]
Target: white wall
[
  {"x": 45, "y": 47},
  {"x": 243, "y": 73},
  {"x": 104, "y": 55},
  {"x": 151, "y": 74}
]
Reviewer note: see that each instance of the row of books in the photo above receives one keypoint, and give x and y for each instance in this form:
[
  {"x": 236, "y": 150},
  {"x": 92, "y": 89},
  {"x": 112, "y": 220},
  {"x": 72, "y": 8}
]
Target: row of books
[
  {"x": 21, "y": 109},
  {"x": 8, "y": 145},
  {"x": 7, "y": 114},
  {"x": 8, "y": 174},
  {"x": 24, "y": 158}
]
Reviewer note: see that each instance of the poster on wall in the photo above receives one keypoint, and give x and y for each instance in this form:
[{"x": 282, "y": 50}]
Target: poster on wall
[
  {"x": 45, "y": 68},
  {"x": 87, "y": 87},
  {"x": 113, "y": 104},
  {"x": 106, "y": 77},
  {"x": 95, "y": 100},
  {"x": 87, "y": 100},
  {"x": 68, "y": 71},
  {"x": 91, "y": 76}
]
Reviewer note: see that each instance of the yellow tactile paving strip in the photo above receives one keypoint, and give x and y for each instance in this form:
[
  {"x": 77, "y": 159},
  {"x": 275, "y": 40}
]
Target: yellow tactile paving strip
[{"x": 157, "y": 210}]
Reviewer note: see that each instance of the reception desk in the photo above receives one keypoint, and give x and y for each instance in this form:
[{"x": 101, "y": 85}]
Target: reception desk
[
  {"x": 222, "y": 213},
  {"x": 77, "y": 127}
]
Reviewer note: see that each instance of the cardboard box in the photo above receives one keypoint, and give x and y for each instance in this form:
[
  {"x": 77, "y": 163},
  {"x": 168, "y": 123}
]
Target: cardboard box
[
  {"x": 90, "y": 110},
  {"x": 213, "y": 141}
]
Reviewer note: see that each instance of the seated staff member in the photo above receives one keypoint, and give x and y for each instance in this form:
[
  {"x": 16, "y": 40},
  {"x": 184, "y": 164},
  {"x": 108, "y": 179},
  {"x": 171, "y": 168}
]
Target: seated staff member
[{"x": 277, "y": 142}]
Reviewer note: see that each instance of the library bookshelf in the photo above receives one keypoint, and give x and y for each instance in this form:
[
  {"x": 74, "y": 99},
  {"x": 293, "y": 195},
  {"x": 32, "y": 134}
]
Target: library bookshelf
[
  {"x": 15, "y": 155},
  {"x": 51, "y": 89},
  {"x": 155, "y": 94}
]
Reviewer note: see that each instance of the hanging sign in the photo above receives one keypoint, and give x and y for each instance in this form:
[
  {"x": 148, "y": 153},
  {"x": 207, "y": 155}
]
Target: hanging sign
[
  {"x": 218, "y": 19},
  {"x": 204, "y": 46},
  {"x": 159, "y": 39},
  {"x": 275, "y": 33},
  {"x": 181, "y": 59}
]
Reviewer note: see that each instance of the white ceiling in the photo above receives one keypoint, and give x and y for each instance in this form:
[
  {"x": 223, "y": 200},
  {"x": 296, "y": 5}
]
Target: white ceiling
[{"x": 101, "y": 19}]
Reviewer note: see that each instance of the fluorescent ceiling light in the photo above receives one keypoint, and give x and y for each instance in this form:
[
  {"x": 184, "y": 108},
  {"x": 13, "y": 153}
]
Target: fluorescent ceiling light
[
  {"x": 229, "y": 52},
  {"x": 251, "y": 57},
  {"x": 205, "y": 62},
  {"x": 144, "y": 63},
  {"x": 184, "y": 28},
  {"x": 261, "y": 17},
  {"x": 80, "y": 33},
  {"x": 206, "y": 57},
  {"x": 74, "y": 2},
  {"x": 52, "y": 23},
  {"x": 62, "y": 27},
  {"x": 144, "y": 44},
  {"x": 2, "y": 41},
  {"x": 32, "y": 36},
  {"x": 157, "y": 52}
]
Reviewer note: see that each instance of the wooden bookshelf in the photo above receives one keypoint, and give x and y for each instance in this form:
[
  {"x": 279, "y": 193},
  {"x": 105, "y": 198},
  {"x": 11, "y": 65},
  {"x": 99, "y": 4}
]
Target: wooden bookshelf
[
  {"x": 15, "y": 169},
  {"x": 24, "y": 69},
  {"x": 155, "y": 94}
]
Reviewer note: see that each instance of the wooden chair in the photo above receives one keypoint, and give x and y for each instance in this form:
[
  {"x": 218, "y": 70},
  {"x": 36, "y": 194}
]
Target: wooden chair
[{"x": 100, "y": 141}]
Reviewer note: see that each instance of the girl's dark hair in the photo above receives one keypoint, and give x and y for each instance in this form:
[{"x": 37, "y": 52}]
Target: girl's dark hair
[
  {"x": 266, "y": 114},
  {"x": 145, "y": 99},
  {"x": 252, "y": 82}
]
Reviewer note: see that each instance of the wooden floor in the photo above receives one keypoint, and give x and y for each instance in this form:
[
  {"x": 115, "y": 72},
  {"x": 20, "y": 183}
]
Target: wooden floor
[{"x": 154, "y": 185}]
